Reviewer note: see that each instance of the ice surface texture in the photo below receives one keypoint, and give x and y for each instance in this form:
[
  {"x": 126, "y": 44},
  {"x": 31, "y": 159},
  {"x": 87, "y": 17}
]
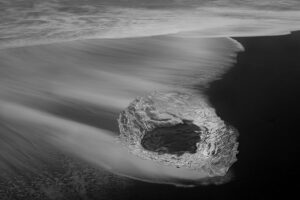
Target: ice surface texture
[{"x": 216, "y": 145}]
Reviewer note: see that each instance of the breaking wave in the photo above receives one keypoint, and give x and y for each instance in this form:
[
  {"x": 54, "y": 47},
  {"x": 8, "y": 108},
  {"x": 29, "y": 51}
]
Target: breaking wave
[{"x": 40, "y": 22}]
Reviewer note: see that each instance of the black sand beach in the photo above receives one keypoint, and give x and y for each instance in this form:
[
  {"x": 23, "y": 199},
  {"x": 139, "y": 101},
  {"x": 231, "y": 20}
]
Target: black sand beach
[{"x": 260, "y": 96}]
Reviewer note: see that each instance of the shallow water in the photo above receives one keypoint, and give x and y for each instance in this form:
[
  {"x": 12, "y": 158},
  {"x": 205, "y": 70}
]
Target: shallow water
[
  {"x": 68, "y": 96},
  {"x": 65, "y": 96},
  {"x": 30, "y": 22}
]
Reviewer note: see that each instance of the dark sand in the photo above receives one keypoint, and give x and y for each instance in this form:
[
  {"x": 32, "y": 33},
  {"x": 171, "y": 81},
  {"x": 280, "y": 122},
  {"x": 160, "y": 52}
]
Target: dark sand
[{"x": 260, "y": 96}]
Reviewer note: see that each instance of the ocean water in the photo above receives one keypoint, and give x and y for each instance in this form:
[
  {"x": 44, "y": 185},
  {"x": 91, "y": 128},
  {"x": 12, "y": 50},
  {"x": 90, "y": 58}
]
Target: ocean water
[
  {"x": 33, "y": 22},
  {"x": 67, "y": 68},
  {"x": 69, "y": 95}
]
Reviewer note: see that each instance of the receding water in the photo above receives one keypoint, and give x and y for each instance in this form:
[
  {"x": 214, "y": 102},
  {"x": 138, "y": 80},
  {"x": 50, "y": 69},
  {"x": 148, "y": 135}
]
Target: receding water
[
  {"x": 68, "y": 96},
  {"x": 61, "y": 100}
]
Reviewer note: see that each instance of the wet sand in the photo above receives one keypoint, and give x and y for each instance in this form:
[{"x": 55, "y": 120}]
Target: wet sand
[{"x": 259, "y": 96}]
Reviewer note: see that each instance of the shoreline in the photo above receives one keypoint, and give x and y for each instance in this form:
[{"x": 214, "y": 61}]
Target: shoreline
[{"x": 260, "y": 96}]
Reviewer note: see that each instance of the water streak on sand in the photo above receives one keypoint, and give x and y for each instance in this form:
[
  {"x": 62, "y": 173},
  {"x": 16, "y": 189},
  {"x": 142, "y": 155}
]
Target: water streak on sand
[{"x": 68, "y": 96}]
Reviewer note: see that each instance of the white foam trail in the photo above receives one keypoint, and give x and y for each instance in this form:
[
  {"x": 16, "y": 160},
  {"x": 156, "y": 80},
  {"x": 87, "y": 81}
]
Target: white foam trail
[
  {"x": 110, "y": 73},
  {"x": 97, "y": 146},
  {"x": 69, "y": 96}
]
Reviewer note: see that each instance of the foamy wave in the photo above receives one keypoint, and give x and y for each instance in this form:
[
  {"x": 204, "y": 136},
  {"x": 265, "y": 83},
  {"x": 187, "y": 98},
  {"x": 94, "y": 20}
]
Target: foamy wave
[
  {"x": 97, "y": 146},
  {"x": 68, "y": 96},
  {"x": 50, "y": 22}
]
